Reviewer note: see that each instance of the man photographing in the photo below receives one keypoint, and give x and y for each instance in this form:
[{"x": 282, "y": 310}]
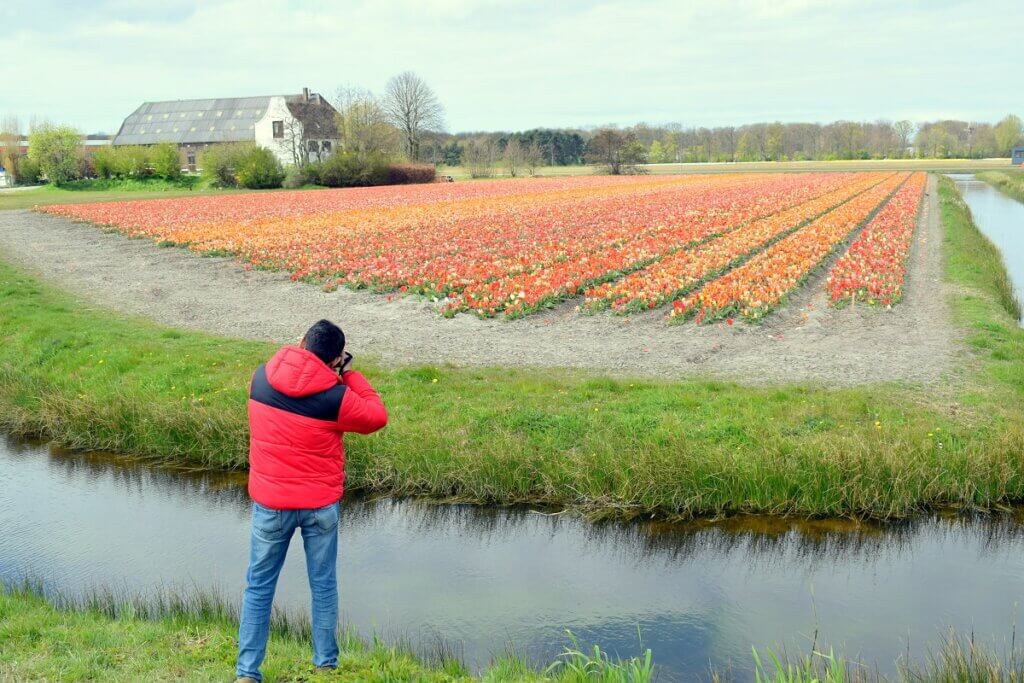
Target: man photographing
[{"x": 300, "y": 404}]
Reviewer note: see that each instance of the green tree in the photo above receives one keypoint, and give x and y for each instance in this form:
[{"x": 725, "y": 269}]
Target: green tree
[
  {"x": 27, "y": 172},
  {"x": 1009, "y": 132},
  {"x": 774, "y": 142},
  {"x": 259, "y": 169},
  {"x": 656, "y": 153},
  {"x": 58, "y": 151},
  {"x": 104, "y": 162},
  {"x": 618, "y": 151},
  {"x": 131, "y": 162},
  {"x": 165, "y": 160},
  {"x": 363, "y": 124},
  {"x": 219, "y": 162},
  {"x": 746, "y": 148},
  {"x": 670, "y": 149}
]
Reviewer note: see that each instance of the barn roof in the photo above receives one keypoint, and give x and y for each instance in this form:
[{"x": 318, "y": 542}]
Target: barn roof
[{"x": 230, "y": 119}]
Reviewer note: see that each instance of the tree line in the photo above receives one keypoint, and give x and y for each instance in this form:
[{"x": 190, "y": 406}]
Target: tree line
[
  {"x": 406, "y": 122},
  {"x": 369, "y": 121},
  {"x": 675, "y": 143}
]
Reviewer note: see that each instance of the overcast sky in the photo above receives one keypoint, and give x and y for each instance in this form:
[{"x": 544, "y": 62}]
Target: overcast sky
[{"x": 517, "y": 65}]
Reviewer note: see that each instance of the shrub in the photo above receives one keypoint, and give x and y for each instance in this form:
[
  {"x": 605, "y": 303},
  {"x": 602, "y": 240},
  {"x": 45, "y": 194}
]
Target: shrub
[
  {"x": 292, "y": 177},
  {"x": 218, "y": 162},
  {"x": 104, "y": 162},
  {"x": 401, "y": 174},
  {"x": 259, "y": 169},
  {"x": 299, "y": 176},
  {"x": 165, "y": 160},
  {"x": 26, "y": 171},
  {"x": 58, "y": 152},
  {"x": 131, "y": 162},
  {"x": 348, "y": 169}
]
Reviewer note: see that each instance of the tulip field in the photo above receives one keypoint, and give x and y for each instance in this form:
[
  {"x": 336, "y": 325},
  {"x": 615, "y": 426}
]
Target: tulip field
[{"x": 700, "y": 247}]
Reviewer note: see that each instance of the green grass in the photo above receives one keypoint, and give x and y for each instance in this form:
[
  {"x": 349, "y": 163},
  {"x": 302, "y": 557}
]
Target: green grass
[
  {"x": 937, "y": 165},
  {"x": 174, "y": 638},
  {"x": 958, "y": 660},
  {"x": 1009, "y": 181},
  {"x": 87, "y": 191},
  {"x": 91, "y": 379}
]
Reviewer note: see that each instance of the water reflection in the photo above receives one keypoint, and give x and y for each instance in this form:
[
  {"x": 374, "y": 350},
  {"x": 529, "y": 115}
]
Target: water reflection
[{"x": 484, "y": 579}]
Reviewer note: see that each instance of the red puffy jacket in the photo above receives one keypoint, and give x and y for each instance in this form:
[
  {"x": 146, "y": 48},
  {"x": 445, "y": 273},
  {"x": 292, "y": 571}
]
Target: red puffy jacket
[{"x": 298, "y": 410}]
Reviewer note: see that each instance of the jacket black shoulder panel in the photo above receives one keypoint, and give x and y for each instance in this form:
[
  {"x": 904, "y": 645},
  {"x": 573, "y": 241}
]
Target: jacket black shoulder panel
[{"x": 321, "y": 406}]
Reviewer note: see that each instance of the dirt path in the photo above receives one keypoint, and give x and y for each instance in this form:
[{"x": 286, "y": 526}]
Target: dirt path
[{"x": 806, "y": 341}]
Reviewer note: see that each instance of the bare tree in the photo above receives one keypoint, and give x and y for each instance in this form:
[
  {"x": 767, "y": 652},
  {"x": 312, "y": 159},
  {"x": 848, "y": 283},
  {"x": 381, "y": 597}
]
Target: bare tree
[
  {"x": 480, "y": 156},
  {"x": 515, "y": 157},
  {"x": 292, "y": 142},
  {"x": 10, "y": 147},
  {"x": 534, "y": 157},
  {"x": 413, "y": 108},
  {"x": 904, "y": 129}
]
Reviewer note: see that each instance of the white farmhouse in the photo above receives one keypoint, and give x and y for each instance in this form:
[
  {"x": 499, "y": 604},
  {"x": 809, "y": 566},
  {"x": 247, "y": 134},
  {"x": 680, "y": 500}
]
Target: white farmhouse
[{"x": 296, "y": 128}]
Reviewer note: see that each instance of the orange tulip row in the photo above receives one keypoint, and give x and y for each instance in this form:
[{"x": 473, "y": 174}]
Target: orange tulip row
[
  {"x": 606, "y": 255},
  {"x": 680, "y": 272},
  {"x": 755, "y": 288},
  {"x": 873, "y": 268}
]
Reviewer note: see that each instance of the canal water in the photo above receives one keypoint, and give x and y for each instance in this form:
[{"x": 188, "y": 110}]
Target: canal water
[
  {"x": 1001, "y": 218},
  {"x": 483, "y": 580}
]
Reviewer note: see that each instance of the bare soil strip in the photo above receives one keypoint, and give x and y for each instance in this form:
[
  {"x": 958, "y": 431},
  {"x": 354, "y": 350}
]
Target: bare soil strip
[{"x": 806, "y": 341}]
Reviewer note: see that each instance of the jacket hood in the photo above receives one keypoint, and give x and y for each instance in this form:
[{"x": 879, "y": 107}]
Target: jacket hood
[{"x": 298, "y": 372}]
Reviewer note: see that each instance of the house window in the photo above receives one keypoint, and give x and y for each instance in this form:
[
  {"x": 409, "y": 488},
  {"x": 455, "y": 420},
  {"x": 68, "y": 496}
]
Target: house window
[
  {"x": 278, "y": 129},
  {"x": 325, "y": 146},
  {"x": 313, "y": 147}
]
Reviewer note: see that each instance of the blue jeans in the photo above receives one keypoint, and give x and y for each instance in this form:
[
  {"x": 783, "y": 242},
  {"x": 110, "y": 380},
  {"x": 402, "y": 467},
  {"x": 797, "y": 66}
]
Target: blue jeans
[{"x": 272, "y": 531}]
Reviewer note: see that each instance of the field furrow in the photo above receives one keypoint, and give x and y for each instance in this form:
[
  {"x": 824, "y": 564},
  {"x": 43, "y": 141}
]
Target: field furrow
[
  {"x": 874, "y": 266},
  {"x": 758, "y": 286},
  {"x": 680, "y": 272},
  {"x": 586, "y": 262}
]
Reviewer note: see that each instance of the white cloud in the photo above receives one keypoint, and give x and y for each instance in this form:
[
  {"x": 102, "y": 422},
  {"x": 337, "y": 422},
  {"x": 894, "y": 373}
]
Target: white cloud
[{"x": 496, "y": 65}]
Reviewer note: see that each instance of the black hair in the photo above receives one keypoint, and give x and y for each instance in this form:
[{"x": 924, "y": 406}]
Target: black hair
[{"x": 325, "y": 339}]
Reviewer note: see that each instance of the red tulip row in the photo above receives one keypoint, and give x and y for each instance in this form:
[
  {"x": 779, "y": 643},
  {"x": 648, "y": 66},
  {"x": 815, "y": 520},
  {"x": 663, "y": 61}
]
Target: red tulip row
[
  {"x": 873, "y": 268},
  {"x": 756, "y": 287},
  {"x": 678, "y": 273}
]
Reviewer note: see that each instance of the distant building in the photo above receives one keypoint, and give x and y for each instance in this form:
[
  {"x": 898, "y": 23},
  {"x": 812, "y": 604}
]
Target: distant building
[
  {"x": 296, "y": 128},
  {"x": 89, "y": 143},
  {"x": 1017, "y": 156}
]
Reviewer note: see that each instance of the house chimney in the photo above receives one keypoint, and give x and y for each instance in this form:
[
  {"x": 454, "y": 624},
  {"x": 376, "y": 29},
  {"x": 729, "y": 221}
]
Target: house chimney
[{"x": 305, "y": 94}]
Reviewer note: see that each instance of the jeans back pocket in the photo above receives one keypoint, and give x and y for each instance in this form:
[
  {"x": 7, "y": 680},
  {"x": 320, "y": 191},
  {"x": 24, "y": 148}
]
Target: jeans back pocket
[
  {"x": 267, "y": 522},
  {"x": 326, "y": 518}
]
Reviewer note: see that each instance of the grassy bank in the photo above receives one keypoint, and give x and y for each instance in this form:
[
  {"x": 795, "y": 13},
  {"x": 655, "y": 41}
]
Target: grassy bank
[
  {"x": 97, "y": 190},
  {"x": 88, "y": 378},
  {"x": 193, "y": 638},
  {"x": 1008, "y": 181}
]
